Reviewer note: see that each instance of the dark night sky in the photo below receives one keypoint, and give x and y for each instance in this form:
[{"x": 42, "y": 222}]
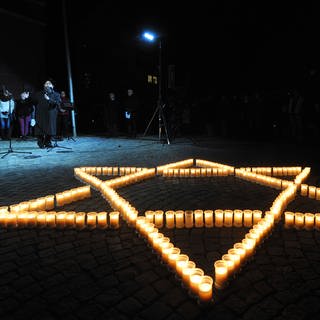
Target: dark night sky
[{"x": 226, "y": 45}]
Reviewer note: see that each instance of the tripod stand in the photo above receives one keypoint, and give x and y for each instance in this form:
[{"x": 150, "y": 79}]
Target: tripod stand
[
  {"x": 10, "y": 150},
  {"x": 160, "y": 106},
  {"x": 55, "y": 145},
  {"x": 162, "y": 122}
]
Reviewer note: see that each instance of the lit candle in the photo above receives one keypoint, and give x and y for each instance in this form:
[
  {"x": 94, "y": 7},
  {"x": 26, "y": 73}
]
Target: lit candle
[
  {"x": 149, "y": 215},
  {"x": 170, "y": 219},
  {"x": 304, "y": 190},
  {"x": 80, "y": 220},
  {"x": 22, "y": 219},
  {"x": 102, "y": 220},
  {"x": 158, "y": 218},
  {"x": 188, "y": 215},
  {"x": 218, "y": 218},
  {"x": 24, "y": 206},
  {"x": 230, "y": 263},
  {"x": 91, "y": 220},
  {"x": 160, "y": 242},
  {"x": 15, "y": 208},
  {"x": 309, "y": 221},
  {"x": 165, "y": 249},
  {"x": 140, "y": 221},
  {"x": 11, "y": 220},
  {"x": 181, "y": 262},
  {"x": 208, "y": 218},
  {"x": 317, "y": 220},
  {"x": 235, "y": 255},
  {"x": 3, "y": 216},
  {"x": 179, "y": 215},
  {"x": 49, "y": 202},
  {"x": 146, "y": 228},
  {"x": 195, "y": 279},
  {"x": 172, "y": 257},
  {"x": 228, "y": 217},
  {"x": 186, "y": 271},
  {"x": 241, "y": 250},
  {"x": 59, "y": 199},
  {"x": 221, "y": 273},
  {"x": 114, "y": 219},
  {"x": 31, "y": 218},
  {"x": 289, "y": 219},
  {"x": 198, "y": 218},
  {"x": 299, "y": 220},
  {"x": 249, "y": 245},
  {"x": 256, "y": 216},
  {"x": 255, "y": 235},
  {"x": 51, "y": 219},
  {"x": 152, "y": 235},
  {"x": 70, "y": 219},
  {"x": 312, "y": 192},
  {"x": 237, "y": 218},
  {"x": 205, "y": 289},
  {"x": 60, "y": 219},
  {"x": 247, "y": 218}
]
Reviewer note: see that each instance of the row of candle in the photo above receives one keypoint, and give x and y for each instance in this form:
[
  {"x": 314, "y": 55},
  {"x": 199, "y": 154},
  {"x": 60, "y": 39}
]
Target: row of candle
[
  {"x": 231, "y": 262},
  {"x": 210, "y": 164},
  {"x": 310, "y": 191},
  {"x": 274, "y": 171},
  {"x": 127, "y": 211},
  {"x": 303, "y": 175},
  {"x": 72, "y": 195},
  {"x": 110, "y": 171},
  {"x": 282, "y": 200},
  {"x": 43, "y": 203},
  {"x": 195, "y": 172},
  {"x": 60, "y": 219},
  {"x": 262, "y": 179},
  {"x": 174, "y": 165},
  {"x": 203, "y": 218},
  {"x": 87, "y": 178},
  {"x": 300, "y": 220},
  {"x": 131, "y": 178},
  {"x": 192, "y": 277}
]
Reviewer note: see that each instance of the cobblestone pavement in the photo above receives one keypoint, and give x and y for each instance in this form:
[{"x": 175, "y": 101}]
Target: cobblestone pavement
[{"x": 113, "y": 274}]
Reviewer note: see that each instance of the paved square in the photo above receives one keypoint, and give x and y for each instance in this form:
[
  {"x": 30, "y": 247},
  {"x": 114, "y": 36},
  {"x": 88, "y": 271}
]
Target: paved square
[{"x": 111, "y": 274}]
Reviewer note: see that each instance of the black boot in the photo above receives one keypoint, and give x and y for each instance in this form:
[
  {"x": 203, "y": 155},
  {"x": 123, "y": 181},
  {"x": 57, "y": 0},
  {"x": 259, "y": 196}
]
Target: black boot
[
  {"x": 47, "y": 141},
  {"x": 40, "y": 141},
  {"x": 2, "y": 134}
]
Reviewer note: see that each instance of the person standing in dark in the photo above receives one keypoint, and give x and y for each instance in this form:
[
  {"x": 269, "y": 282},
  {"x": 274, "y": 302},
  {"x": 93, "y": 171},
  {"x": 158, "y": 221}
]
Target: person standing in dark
[
  {"x": 112, "y": 115},
  {"x": 47, "y": 103},
  {"x": 7, "y": 106},
  {"x": 25, "y": 111},
  {"x": 131, "y": 105},
  {"x": 63, "y": 116}
]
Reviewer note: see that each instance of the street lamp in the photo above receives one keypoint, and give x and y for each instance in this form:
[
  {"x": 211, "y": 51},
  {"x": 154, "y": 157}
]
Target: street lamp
[{"x": 152, "y": 37}]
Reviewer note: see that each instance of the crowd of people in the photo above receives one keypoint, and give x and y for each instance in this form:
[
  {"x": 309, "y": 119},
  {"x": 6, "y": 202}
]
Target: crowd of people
[
  {"x": 44, "y": 115},
  {"x": 122, "y": 116}
]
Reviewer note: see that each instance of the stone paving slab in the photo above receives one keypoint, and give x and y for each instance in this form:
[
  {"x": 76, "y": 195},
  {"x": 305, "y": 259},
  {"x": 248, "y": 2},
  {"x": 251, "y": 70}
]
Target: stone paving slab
[{"x": 113, "y": 274}]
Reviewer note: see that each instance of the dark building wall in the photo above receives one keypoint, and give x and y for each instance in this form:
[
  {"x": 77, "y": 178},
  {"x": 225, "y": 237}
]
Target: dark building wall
[{"x": 22, "y": 53}]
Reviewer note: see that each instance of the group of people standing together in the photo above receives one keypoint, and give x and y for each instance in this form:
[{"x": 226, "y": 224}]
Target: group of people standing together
[
  {"x": 122, "y": 115},
  {"x": 47, "y": 111}
]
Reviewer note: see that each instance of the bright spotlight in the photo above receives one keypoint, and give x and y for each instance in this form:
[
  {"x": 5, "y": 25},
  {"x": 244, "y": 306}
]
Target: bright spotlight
[{"x": 149, "y": 36}]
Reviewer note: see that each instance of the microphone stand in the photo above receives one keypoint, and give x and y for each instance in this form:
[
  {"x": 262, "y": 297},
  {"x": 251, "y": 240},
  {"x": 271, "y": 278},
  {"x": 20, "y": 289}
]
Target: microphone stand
[{"x": 10, "y": 150}]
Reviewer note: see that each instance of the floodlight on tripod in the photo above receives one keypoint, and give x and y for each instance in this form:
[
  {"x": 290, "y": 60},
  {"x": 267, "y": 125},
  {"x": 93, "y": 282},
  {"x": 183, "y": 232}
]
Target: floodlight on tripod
[{"x": 152, "y": 37}]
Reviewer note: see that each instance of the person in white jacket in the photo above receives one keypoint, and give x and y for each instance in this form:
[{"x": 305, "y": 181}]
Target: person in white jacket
[{"x": 6, "y": 111}]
